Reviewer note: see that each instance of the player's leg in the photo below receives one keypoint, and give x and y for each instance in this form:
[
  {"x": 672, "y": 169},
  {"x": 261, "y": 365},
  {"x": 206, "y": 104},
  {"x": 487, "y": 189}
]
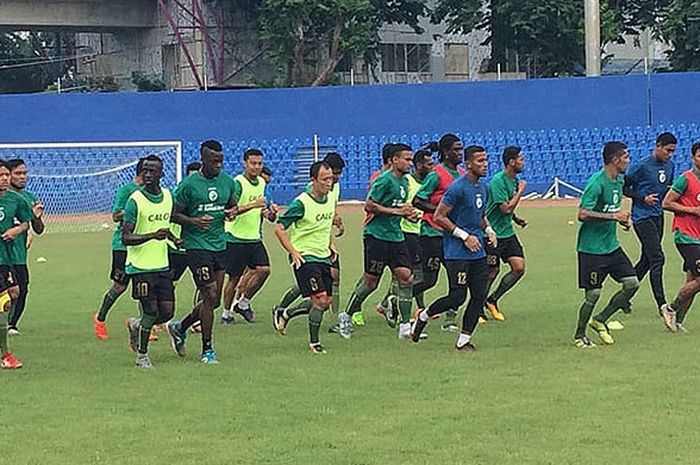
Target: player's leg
[
  {"x": 643, "y": 229},
  {"x": 477, "y": 282},
  {"x": 236, "y": 263},
  {"x": 401, "y": 263},
  {"x": 320, "y": 303},
  {"x": 657, "y": 259},
  {"x": 684, "y": 300},
  {"x": 21, "y": 275},
  {"x": 687, "y": 292},
  {"x": 288, "y": 298},
  {"x": 335, "y": 275},
  {"x": 431, "y": 256},
  {"x": 8, "y": 292},
  {"x": 315, "y": 281},
  {"x": 120, "y": 281},
  {"x": 457, "y": 295},
  {"x": 512, "y": 252},
  {"x": 622, "y": 271},
  {"x": 591, "y": 275},
  {"x": 259, "y": 266}
]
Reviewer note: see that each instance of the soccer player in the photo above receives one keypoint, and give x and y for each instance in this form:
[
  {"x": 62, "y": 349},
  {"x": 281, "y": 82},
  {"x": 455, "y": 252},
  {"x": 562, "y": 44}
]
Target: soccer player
[
  {"x": 461, "y": 214},
  {"x": 422, "y": 164},
  {"x": 384, "y": 242},
  {"x": 204, "y": 201},
  {"x": 120, "y": 280},
  {"x": 450, "y": 149},
  {"x": 647, "y": 183},
  {"x": 305, "y": 232},
  {"x": 387, "y": 150},
  {"x": 505, "y": 192},
  {"x": 177, "y": 256},
  {"x": 145, "y": 234},
  {"x": 599, "y": 252},
  {"x": 14, "y": 209},
  {"x": 684, "y": 201},
  {"x": 244, "y": 245},
  {"x": 18, "y": 183}
]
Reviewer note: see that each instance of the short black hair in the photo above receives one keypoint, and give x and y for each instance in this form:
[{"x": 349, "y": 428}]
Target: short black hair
[
  {"x": 211, "y": 144},
  {"x": 335, "y": 161},
  {"x": 387, "y": 151},
  {"x": 139, "y": 166},
  {"x": 444, "y": 144},
  {"x": 153, "y": 157},
  {"x": 15, "y": 163},
  {"x": 666, "y": 138},
  {"x": 266, "y": 171},
  {"x": 612, "y": 149},
  {"x": 471, "y": 150},
  {"x": 695, "y": 148},
  {"x": 421, "y": 155},
  {"x": 252, "y": 153},
  {"x": 4, "y": 164},
  {"x": 398, "y": 148},
  {"x": 316, "y": 167},
  {"x": 194, "y": 166},
  {"x": 511, "y": 153}
]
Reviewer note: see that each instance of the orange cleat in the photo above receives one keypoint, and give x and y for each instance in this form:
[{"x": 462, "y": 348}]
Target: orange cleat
[
  {"x": 495, "y": 311},
  {"x": 9, "y": 362},
  {"x": 100, "y": 329},
  {"x": 153, "y": 336}
]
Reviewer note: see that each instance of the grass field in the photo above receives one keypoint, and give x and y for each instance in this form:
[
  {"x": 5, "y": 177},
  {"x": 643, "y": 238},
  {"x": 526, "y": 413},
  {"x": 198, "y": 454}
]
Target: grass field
[{"x": 526, "y": 397}]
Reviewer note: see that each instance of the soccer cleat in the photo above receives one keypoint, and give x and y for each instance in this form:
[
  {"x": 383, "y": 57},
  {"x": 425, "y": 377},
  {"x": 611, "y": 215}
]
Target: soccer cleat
[
  {"x": 143, "y": 361},
  {"x": 358, "y": 319},
  {"x": 602, "y": 330},
  {"x": 449, "y": 326},
  {"x": 344, "y": 325},
  {"x": 317, "y": 348},
  {"x": 9, "y": 362},
  {"x": 387, "y": 312},
  {"x": 13, "y": 331},
  {"x": 405, "y": 331},
  {"x": 482, "y": 320},
  {"x": 209, "y": 356},
  {"x": 494, "y": 311},
  {"x": 227, "y": 318},
  {"x": 279, "y": 321},
  {"x": 681, "y": 329},
  {"x": 196, "y": 328},
  {"x": 669, "y": 316},
  {"x": 132, "y": 326},
  {"x": 417, "y": 328},
  {"x": 177, "y": 338},
  {"x": 247, "y": 313},
  {"x": 100, "y": 328},
  {"x": 615, "y": 325},
  {"x": 583, "y": 343},
  {"x": 468, "y": 347}
]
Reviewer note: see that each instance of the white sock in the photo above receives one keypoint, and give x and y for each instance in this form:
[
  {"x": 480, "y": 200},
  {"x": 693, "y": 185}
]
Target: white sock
[
  {"x": 463, "y": 339},
  {"x": 244, "y": 303},
  {"x": 234, "y": 303},
  {"x": 423, "y": 316}
]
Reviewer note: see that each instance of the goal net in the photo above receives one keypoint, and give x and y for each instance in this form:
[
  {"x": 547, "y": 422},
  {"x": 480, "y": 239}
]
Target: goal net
[{"x": 76, "y": 182}]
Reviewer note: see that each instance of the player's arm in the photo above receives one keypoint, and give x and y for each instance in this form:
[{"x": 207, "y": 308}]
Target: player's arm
[
  {"x": 375, "y": 208},
  {"x": 38, "y": 218},
  {"x": 180, "y": 217},
  {"x": 130, "y": 238},
  {"x": 508, "y": 207},
  {"x": 443, "y": 220},
  {"x": 488, "y": 230},
  {"x": 420, "y": 201},
  {"x": 670, "y": 202},
  {"x": 12, "y": 233},
  {"x": 589, "y": 199},
  {"x": 339, "y": 225},
  {"x": 118, "y": 206},
  {"x": 293, "y": 213}
]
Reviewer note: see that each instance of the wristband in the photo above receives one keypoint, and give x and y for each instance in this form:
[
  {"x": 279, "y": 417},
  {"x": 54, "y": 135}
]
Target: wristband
[
  {"x": 460, "y": 233},
  {"x": 489, "y": 231}
]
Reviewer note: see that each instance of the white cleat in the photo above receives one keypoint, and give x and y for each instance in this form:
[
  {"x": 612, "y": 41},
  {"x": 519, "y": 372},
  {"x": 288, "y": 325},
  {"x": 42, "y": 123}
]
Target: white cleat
[
  {"x": 669, "y": 316},
  {"x": 344, "y": 328},
  {"x": 405, "y": 331}
]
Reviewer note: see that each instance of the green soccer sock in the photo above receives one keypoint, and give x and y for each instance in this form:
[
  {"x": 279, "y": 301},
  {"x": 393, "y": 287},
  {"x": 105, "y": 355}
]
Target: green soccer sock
[
  {"x": 145, "y": 324},
  {"x": 110, "y": 298},
  {"x": 621, "y": 299},
  {"x": 420, "y": 299},
  {"x": 507, "y": 282},
  {"x": 681, "y": 306},
  {"x": 315, "y": 319},
  {"x": 335, "y": 303},
  {"x": 3, "y": 332},
  {"x": 358, "y": 296},
  {"x": 290, "y": 296},
  {"x": 405, "y": 294},
  {"x": 585, "y": 311},
  {"x": 393, "y": 290},
  {"x": 300, "y": 309}
]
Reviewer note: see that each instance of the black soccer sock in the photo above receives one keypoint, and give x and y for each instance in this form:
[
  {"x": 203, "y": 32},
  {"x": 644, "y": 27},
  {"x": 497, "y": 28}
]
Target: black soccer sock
[
  {"x": 145, "y": 326},
  {"x": 420, "y": 298},
  {"x": 109, "y": 299},
  {"x": 585, "y": 311},
  {"x": 315, "y": 319},
  {"x": 19, "y": 306},
  {"x": 189, "y": 320},
  {"x": 620, "y": 300},
  {"x": 392, "y": 290},
  {"x": 507, "y": 282}
]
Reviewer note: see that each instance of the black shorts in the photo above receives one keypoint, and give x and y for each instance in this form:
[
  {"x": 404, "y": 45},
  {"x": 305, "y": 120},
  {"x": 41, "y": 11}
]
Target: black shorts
[
  {"x": 414, "y": 250},
  {"x": 593, "y": 269},
  {"x": 506, "y": 248},
  {"x": 178, "y": 264},
  {"x": 691, "y": 258},
  {"x": 462, "y": 273},
  {"x": 21, "y": 275},
  {"x": 153, "y": 286},
  {"x": 204, "y": 265},
  {"x": 242, "y": 255},
  {"x": 380, "y": 254},
  {"x": 7, "y": 278},
  {"x": 118, "y": 273},
  {"x": 431, "y": 253},
  {"x": 314, "y": 278}
]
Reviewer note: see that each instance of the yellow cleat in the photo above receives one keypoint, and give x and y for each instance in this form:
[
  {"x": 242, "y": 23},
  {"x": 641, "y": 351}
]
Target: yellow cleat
[
  {"x": 495, "y": 312},
  {"x": 602, "y": 330},
  {"x": 482, "y": 320}
]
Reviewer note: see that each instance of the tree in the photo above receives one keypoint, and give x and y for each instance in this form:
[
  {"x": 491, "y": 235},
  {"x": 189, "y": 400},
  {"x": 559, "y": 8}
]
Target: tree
[
  {"x": 680, "y": 27},
  {"x": 306, "y": 39},
  {"x": 23, "y": 67}
]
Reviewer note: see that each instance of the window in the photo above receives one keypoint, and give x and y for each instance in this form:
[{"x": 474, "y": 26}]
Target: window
[{"x": 412, "y": 58}]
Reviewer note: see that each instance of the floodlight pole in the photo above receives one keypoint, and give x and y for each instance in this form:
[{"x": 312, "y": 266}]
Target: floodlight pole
[{"x": 592, "y": 10}]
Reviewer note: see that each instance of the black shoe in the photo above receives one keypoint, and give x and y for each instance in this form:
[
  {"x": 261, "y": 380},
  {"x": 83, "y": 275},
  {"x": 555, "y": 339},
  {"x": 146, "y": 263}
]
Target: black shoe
[
  {"x": 417, "y": 328},
  {"x": 247, "y": 314},
  {"x": 468, "y": 347}
]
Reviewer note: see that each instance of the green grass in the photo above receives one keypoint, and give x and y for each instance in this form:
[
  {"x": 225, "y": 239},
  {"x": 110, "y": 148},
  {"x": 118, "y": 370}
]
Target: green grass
[{"x": 526, "y": 397}]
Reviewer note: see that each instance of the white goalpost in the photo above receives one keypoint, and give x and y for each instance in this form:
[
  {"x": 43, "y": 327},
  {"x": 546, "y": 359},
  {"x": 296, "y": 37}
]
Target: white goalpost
[{"x": 76, "y": 181}]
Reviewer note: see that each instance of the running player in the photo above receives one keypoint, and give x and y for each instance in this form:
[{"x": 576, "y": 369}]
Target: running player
[
  {"x": 599, "y": 252},
  {"x": 461, "y": 214},
  {"x": 244, "y": 247},
  {"x": 450, "y": 150},
  {"x": 12, "y": 207},
  {"x": 309, "y": 222},
  {"x": 384, "y": 242},
  {"x": 647, "y": 183},
  {"x": 387, "y": 150},
  {"x": 145, "y": 234},
  {"x": 18, "y": 183},
  {"x": 684, "y": 201},
  {"x": 505, "y": 192},
  {"x": 204, "y": 201},
  {"x": 120, "y": 280}
]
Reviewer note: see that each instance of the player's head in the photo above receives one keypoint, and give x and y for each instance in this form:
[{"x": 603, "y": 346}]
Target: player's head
[
  {"x": 615, "y": 154},
  {"x": 321, "y": 175},
  {"x": 152, "y": 170},
  {"x": 387, "y": 150},
  {"x": 4, "y": 176},
  {"x": 450, "y": 149},
  {"x": 266, "y": 174},
  {"x": 401, "y": 158},
  {"x": 423, "y": 162},
  {"x": 514, "y": 159},
  {"x": 337, "y": 164},
  {"x": 193, "y": 168},
  {"x": 477, "y": 160},
  {"x": 18, "y": 173},
  {"x": 665, "y": 146},
  {"x": 252, "y": 162},
  {"x": 212, "y": 155},
  {"x": 139, "y": 171},
  {"x": 695, "y": 155}
]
